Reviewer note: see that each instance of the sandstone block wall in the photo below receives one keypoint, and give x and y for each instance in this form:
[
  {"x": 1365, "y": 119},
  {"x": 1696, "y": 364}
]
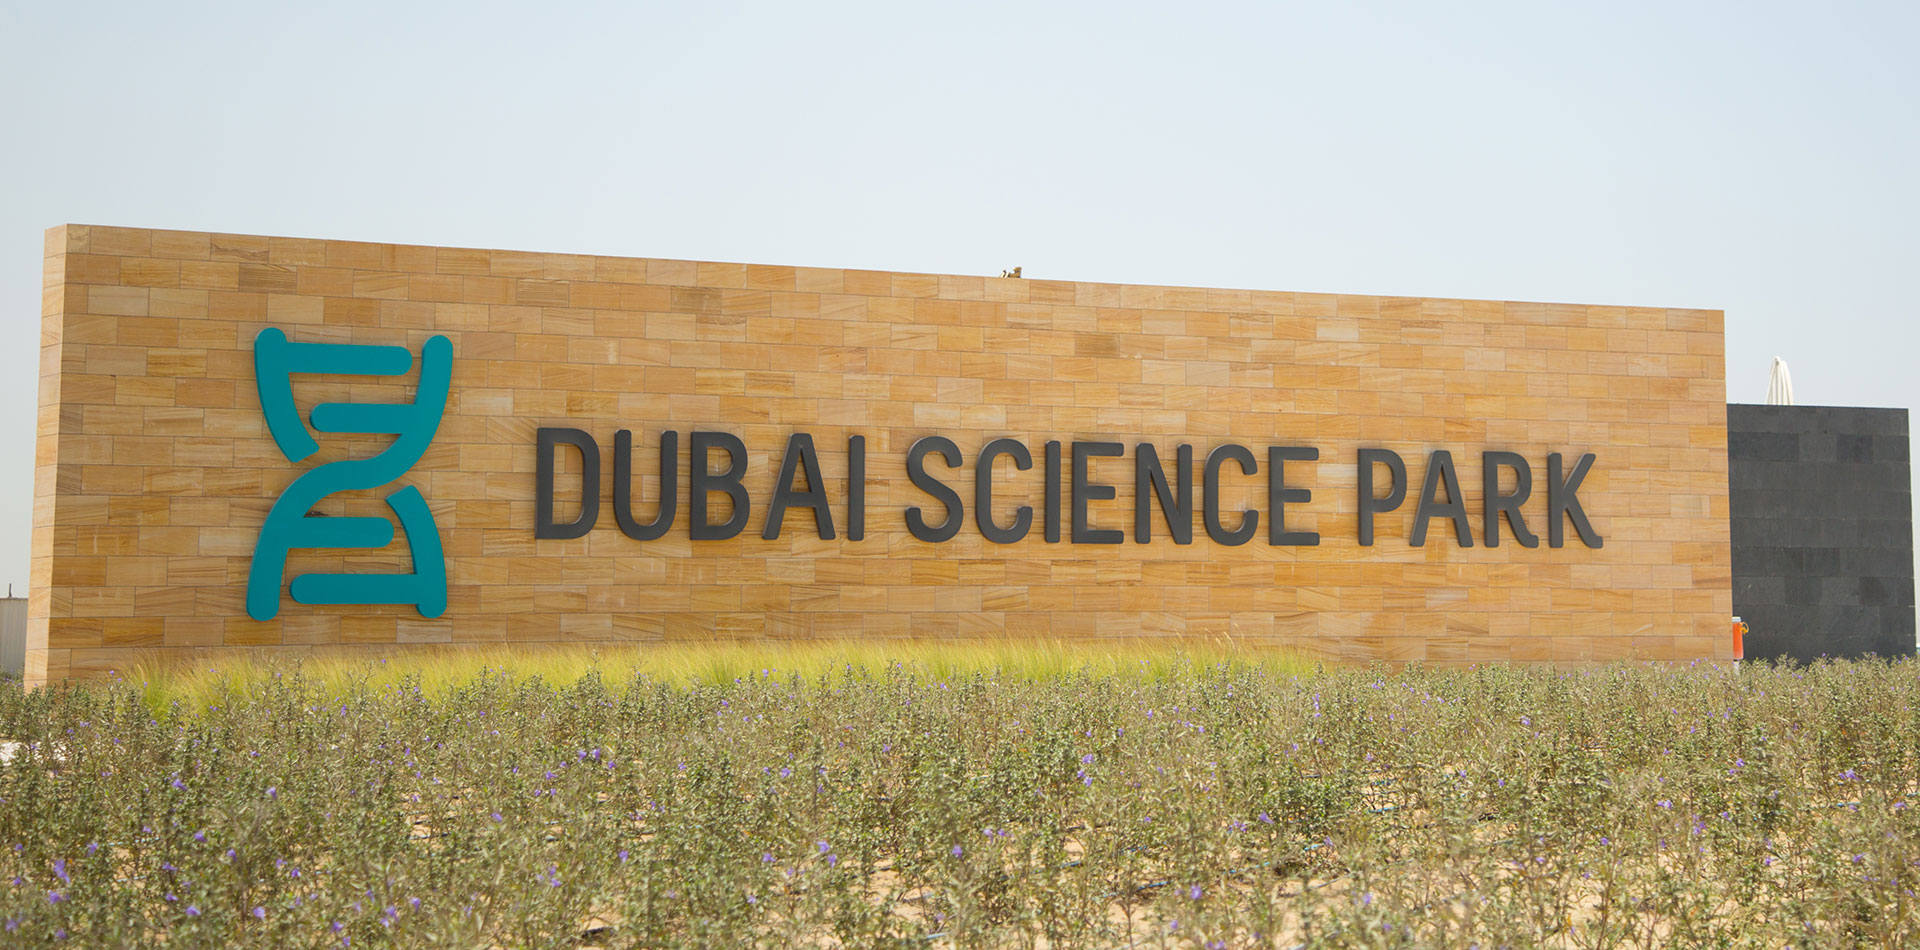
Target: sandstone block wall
[{"x": 155, "y": 469}]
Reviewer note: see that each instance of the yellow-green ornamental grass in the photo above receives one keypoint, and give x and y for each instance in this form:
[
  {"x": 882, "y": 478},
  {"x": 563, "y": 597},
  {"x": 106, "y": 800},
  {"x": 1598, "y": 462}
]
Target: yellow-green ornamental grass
[
  {"x": 977, "y": 796},
  {"x": 715, "y": 664}
]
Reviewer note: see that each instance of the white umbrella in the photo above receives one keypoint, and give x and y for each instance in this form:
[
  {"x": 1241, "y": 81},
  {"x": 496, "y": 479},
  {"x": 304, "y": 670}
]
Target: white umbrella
[{"x": 1780, "y": 386}]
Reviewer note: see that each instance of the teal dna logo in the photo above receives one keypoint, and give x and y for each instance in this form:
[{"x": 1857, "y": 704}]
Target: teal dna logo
[{"x": 288, "y": 526}]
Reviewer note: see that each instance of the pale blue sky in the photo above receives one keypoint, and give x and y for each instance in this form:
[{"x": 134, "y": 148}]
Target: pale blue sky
[{"x": 1759, "y": 158}]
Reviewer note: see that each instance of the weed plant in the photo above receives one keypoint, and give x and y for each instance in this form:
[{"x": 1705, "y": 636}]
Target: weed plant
[{"x": 1170, "y": 801}]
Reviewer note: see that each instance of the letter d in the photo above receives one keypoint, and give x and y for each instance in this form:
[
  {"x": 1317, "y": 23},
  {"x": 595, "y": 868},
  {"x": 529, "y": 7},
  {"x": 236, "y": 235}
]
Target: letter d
[{"x": 547, "y": 442}]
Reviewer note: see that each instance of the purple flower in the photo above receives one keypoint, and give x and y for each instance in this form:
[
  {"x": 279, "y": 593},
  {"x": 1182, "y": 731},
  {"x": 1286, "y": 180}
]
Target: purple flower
[
  {"x": 823, "y": 846},
  {"x": 178, "y": 785},
  {"x": 957, "y": 851},
  {"x": 200, "y": 835},
  {"x": 623, "y": 855},
  {"x": 1087, "y": 759},
  {"x": 60, "y": 870},
  {"x": 273, "y": 792},
  {"x": 1195, "y": 893},
  {"x": 55, "y": 897},
  {"x": 414, "y": 902},
  {"x": 260, "y": 913},
  {"x": 193, "y": 911}
]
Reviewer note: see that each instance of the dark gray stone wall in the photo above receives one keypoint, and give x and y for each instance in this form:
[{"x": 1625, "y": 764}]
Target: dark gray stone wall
[{"x": 1822, "y": 527}]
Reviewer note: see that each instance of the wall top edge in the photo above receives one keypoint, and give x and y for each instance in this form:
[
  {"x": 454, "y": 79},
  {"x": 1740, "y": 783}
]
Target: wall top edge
[
  {"x": 1803, "y": 408},
  {"x": 80, "y": 238}
]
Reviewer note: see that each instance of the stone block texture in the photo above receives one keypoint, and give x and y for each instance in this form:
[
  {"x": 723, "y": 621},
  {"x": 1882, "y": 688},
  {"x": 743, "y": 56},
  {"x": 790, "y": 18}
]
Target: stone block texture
[
  {"x": 1822, "y": 530},
  {"x": 155, "y": 469}
]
